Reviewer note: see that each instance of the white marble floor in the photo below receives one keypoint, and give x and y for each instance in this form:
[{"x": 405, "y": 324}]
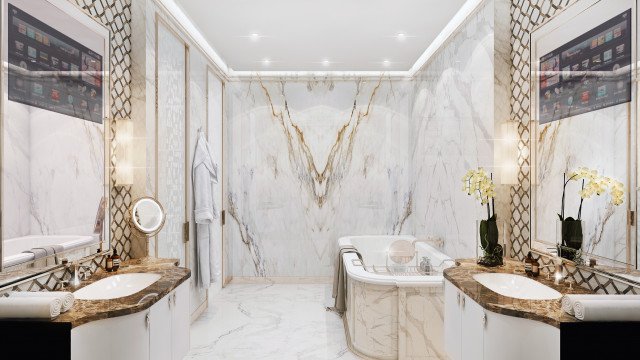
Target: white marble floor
[{"x": 269, "y": 321}]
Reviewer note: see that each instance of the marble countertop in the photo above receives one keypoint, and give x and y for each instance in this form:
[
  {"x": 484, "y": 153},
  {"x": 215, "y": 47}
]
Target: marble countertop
[
  {"x": 546, "y": 311},
  {"x": 84, "y": 311}
]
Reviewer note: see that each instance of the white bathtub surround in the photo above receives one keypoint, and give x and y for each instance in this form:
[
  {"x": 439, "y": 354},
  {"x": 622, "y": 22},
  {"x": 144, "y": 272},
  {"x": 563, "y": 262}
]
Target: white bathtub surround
[
  {"x": 267, "y": 321},
  {"x": 392, "y": 316},
  {"x": 310, "y": 161}
]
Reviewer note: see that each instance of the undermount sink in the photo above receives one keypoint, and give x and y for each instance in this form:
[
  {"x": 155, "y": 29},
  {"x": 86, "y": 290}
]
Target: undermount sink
[
  {"x": 517, "y": 286},
  {"x": 116, "y": 286}
]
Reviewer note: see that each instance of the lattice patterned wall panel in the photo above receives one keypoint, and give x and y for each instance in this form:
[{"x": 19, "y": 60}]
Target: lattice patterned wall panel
[
  {"x": 116, "y": 15},
  {"x": 525, "y": 15},
  {"x": 595, "y": 282},
  {"x": 52, "y": 281}
]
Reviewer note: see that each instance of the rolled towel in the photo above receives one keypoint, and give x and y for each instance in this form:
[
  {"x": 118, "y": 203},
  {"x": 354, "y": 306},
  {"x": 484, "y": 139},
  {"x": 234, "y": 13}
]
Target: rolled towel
[
  {"x": 29, "y": 307},
  {"x": 568, "y": 301},
  {"x": 607, "y": 310},
  {"x": 65, "y": 297}
]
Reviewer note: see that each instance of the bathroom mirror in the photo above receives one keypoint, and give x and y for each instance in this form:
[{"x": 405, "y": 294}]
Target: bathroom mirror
[
  {"x": 55, "y": 102},
  {"x": 147, "y": 216},
  {"x": 583, "y": 133}
]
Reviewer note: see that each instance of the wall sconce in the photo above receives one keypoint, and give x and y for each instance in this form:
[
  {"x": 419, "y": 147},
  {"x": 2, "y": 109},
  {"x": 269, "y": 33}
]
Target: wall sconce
[
  {"x": 507, "y": 151},
  {"x": 124, "y": 152}
]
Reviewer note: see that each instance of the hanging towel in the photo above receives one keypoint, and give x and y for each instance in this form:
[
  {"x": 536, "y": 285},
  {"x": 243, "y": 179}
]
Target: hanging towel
[
  {"x": 205, "y": 174},
  {"x": 340, "y": 281}
]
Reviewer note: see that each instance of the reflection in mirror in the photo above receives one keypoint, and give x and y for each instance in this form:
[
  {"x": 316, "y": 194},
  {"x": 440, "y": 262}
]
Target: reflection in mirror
[
  {"x": 147, "y": 216},
  {"x": 55, "y": 98},
  {"x": 582, "y": 126}
]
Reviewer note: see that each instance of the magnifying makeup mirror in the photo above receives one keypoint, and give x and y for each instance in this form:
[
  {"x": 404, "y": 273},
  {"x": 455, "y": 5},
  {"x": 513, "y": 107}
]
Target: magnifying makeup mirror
[{"x": 147, "y": 216}]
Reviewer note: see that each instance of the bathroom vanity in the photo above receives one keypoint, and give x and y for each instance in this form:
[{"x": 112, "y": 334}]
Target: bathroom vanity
[
  {"x": 152, "y": 323},
  {"x": 522, "y": 318}
]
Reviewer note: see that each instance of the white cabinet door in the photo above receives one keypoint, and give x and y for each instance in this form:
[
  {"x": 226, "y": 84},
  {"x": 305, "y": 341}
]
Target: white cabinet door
[
  {"x": 507, "y": 337},
  {"x": 452, "y": 335},
  {"x": 122, "y": 338},
  {"x": 160, "y": 329},
  {"x": 180, "y": 321},
  {"x": 472, "y": 329}
]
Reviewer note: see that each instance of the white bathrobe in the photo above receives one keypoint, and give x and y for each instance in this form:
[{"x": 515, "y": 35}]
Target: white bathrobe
[{"x": 205, "y": 174}]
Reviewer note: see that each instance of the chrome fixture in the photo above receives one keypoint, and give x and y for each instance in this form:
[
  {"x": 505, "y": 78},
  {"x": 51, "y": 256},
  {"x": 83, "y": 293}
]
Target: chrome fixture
[{"x": 76, "y": 278}]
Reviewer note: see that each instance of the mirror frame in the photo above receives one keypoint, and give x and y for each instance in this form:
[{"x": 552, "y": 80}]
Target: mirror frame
[
  {"x": 137, "y": 226},
  {"x": 631, "y": 197},
  {"x": 76, "y": 12}
]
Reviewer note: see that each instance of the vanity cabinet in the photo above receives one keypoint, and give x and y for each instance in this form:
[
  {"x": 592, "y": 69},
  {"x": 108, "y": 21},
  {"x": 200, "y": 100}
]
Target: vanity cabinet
[
  {"x": 473, "y": 333},
  {"x": 463, "y": 325},
  {"x": 158, "y": 333}
]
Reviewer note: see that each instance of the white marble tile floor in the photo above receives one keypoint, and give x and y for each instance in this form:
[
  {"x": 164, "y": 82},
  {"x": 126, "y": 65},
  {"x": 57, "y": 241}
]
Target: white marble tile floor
[{"x": 269, "y": 321}]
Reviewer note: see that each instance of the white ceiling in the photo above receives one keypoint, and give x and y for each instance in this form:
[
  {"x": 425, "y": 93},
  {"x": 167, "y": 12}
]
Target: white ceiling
[{"x": 298, "y": 35}]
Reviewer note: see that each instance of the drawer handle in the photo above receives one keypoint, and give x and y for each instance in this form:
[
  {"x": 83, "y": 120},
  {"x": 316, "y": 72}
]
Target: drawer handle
[
  {"x": 484, "y": 319},
  {"x": 147, "y": 320},
  {"x": 463, "y": 302},
  {"x": 458, "y": 298}
]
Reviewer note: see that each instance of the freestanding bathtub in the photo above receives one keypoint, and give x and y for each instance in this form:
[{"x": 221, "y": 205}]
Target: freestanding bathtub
[{"x": 394, "y": 311}]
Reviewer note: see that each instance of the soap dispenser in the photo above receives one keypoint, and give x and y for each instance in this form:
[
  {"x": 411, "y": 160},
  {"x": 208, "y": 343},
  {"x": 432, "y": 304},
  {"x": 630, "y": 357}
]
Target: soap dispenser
[
  {"x": 528, "y": 264},
  {"x": 535, "y": 268},
  {"x": 109, "y": 266},
  {"x": 115, "y": 259}
]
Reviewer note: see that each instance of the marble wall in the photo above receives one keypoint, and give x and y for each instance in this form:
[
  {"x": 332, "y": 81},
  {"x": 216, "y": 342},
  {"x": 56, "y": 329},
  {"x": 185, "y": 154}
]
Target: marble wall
[
  {"x": 598, "y": 140},
  {"x": 189, "y": 98},
  {"x": 53, "y": 177},
  {"x": 460, "y": 98},
  {"x": 308, "y": 162}
]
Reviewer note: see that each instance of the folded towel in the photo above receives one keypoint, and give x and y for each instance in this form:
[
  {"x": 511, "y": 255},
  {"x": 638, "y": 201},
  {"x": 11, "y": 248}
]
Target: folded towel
[
  {"x": 38, "y": 253},
  {"x": 607, "y": 310},
  {"x": 49, "y": 250},
  {"x": 568, "y": 301},
  {"x": 65, "y": 297},
  {"x": 29, "y": 307}
]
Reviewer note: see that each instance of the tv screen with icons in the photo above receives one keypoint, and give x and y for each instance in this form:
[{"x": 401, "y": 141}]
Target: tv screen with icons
[
  {"x": 49, "y": 70},
  {"x": 588, "y": 73}
]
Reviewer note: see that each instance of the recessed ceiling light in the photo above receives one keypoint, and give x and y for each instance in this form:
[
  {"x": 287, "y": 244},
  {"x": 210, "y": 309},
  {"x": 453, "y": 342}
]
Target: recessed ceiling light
[
  {"x": 326, "y": 62},
  {"x": 254, "y": 37},
  {"x": 266, "y": 61},
  {"x": 386, "y": 62},
  {"x": 401, "y": 36}
]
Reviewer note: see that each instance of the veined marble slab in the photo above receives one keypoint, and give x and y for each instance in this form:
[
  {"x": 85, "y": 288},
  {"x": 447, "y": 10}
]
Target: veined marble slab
[
  {"x": 453, "y": 116},
  {"x": 598, "y": 140},
  {"x": 53, "y": 175},
  {"x": 308, "y": 162}
]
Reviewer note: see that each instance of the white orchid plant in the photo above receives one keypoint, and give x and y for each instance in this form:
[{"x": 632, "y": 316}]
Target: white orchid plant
[
  {"x": 479, "y": 184},
  {"x": 592, "y": 184}
]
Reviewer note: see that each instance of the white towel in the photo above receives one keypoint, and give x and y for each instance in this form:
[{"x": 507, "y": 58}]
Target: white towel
[
  {"x": 29, "y": 307},
  {"x": 65, "y": 297},
  {"x": 568, "y": 301},
  {"x": 205, "y": 175},
  {"x": 607, "y": 310}
]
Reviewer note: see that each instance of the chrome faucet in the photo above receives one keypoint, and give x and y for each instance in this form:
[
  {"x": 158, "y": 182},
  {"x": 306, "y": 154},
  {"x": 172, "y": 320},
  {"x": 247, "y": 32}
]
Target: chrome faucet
[
  {"x": 558, "y": 273},
  {"x": 76, "y": 277}
]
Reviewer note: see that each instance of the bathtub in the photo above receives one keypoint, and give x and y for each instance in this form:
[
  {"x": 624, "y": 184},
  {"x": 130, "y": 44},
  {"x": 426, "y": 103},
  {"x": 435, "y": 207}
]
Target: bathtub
[
  {"x": 13, "y": 249},
  {"x": 396, "y": 314}
]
